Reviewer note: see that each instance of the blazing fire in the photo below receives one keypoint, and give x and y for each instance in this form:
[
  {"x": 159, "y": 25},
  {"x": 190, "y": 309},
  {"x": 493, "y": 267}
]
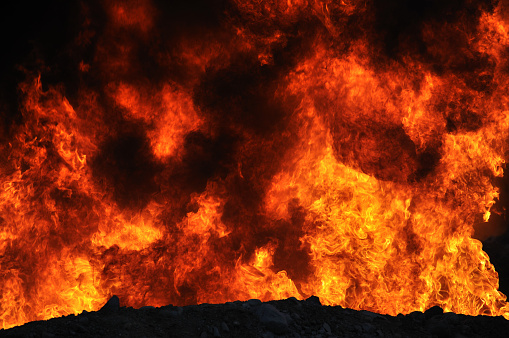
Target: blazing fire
[{"x": 259, "y": 149}]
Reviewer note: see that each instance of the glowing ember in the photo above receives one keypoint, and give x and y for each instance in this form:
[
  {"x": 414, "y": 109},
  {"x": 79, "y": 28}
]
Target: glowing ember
[{"x": 259, "y": 149}]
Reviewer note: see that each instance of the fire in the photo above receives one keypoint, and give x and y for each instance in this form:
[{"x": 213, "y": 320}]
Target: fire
[{"x": 258, "y": 150}]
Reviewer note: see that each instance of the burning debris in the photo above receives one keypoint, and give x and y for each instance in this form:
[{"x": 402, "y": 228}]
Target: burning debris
[{"x": 211, "y": 151}]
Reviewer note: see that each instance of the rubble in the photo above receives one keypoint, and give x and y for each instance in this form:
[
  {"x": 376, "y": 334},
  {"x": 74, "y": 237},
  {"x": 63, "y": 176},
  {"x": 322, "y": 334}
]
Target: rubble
[{"x": 284, "y": 318}]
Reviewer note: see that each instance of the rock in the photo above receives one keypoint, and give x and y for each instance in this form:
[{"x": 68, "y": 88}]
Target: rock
[
  {"x": 225, "y": 327},
  {"x": 81, "y": 328},
  {"x": 272, "y": 319},
  {"x": 148, "y": 307},
  {"x": 118, "y": 320},
  {"x": 459, "y": 335},
  {"x": 254, "y": 302},
  {"x": 111, "y": 306},
  {"x": 215, "y": 331},
  {"x": 327, "y": 328},
  {"x": 370, "y": 316},
  {"x": 433, "y": 311},
  {"x": 268, "y": 335},
  {"x": 416, "y": 316},
  {"x": 204, "y": 335},
  {"x": 467, "y": 330},
  {"x": 451, "y": 317},
  {"x": 438, "y": 326},
  {"x": 367, "y": 327},
  {"x": 177, "y": 312},
  {"x": 165, "y": 312},
  {"x": 289, "y": 319},
  {"x": 294, "y": 302},
  {"x": 313, "y": 300},
  {"x": 83, "y": 320}
]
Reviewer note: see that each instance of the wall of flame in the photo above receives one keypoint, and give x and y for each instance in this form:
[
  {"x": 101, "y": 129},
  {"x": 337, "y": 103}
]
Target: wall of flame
[{"x": 210, "y": 151}]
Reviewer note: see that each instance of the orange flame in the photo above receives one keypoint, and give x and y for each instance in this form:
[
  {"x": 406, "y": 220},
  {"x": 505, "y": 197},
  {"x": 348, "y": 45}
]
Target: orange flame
[{"x": 358, "y": 183}]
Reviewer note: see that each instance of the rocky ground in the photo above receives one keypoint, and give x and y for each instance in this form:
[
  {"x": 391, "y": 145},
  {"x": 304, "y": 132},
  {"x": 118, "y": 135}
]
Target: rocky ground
[{"x": 284, "y": 318}]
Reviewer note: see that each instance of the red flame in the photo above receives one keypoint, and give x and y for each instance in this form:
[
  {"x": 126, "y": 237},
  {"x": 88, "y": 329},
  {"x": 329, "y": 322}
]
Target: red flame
[{"x": 262, "y": 150}]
